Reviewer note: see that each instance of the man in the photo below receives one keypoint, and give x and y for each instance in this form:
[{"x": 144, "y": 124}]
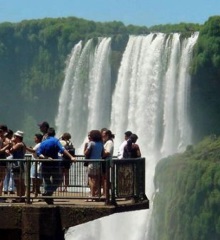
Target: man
[
  {"x": 49, "y": 149},
  {"x": 44, "y": 126},
  {"x": 121, "y": 148}
]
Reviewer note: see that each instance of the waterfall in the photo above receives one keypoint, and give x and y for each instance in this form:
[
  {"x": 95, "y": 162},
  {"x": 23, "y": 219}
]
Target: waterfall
[
  {"x": 100, "y": 87},
  {"x": 64, "y": 99},
  {"x": 150, "y": 98},
  {"x": 86, "y": 88}
]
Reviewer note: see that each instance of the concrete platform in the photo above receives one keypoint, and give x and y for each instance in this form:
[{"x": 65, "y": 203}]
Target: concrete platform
[{"x": 39, "y": 221}]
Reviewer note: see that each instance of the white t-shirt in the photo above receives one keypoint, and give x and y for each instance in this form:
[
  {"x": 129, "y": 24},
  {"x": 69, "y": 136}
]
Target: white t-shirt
[
  {"x": 35, "y": 149},
  {"x": 121, "y": 149},
  {"x": 109, "y": 147}
]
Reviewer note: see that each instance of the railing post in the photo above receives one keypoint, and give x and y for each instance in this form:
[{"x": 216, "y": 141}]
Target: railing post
[
  {"x": 107, "y": 181},
  {"x": 28, "y": 179},
  {"x": 113, "y": 201}
]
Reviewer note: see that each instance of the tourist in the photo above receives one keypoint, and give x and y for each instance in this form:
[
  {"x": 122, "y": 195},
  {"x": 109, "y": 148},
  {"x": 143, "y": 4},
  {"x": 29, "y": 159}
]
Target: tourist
[
  {"x": 44, "y": 126},
  {"x": 121, "y": 148},
  {"x": 85, "y": 147},
  {"x": 107, "y": 138},
  {"x": 66, "y": 163},
  {"x": 17, "y": 151},
  {"x": 49, "y": 149},
  {"x": 9, "y": 185},
  {"x": 131, "y": 149},
  {"x": 94, "y": 151},
  {"x": 36, "y": 173},
  {"x": 4, "y": 144}
]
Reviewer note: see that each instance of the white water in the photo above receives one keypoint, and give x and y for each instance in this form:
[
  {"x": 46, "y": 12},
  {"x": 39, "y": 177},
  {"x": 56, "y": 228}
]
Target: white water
[
  {"x": 150, "y": 98},
  {"x": 85, "y": 89}
]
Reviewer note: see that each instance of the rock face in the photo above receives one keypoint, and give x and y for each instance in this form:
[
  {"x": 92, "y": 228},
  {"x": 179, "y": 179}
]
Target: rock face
[{"x": 28, "y": 222}]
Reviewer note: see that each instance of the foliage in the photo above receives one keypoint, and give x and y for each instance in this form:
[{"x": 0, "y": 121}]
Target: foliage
[
  {"x": 185, "y": 29},
  {"x": 188, "y": 194},
  {"x": 205, "y": 88},
  {"x": 207, "y": 51}
]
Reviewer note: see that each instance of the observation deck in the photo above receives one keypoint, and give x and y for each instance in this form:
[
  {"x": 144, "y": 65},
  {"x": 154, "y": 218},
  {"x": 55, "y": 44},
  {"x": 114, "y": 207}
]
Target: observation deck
[{"x": 34, "y": 219}]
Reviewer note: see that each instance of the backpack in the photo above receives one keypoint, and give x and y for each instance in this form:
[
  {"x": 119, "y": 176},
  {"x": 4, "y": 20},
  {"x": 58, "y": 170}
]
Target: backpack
[{"x": 70, "y": 148}]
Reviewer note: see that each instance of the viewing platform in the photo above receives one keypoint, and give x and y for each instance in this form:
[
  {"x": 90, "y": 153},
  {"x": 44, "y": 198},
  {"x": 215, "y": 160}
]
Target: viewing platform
[{"x": 34, "y": 219}]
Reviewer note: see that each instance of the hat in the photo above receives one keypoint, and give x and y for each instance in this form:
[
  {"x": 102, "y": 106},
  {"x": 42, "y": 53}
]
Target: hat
[
  {"x": 19, "y": 134},
  {"x": 43, "y": 124}
]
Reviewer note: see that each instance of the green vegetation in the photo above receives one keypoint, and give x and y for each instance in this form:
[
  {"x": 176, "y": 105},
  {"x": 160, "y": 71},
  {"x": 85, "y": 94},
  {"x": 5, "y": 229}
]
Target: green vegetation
[
  {"x": 205, "y": 100},
  {"x": 186, "y": 29},
  {"x": 186, "y": 205}
]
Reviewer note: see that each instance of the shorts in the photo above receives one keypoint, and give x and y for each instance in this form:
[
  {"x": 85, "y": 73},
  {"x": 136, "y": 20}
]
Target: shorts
[{"x": 93, "y": 169}]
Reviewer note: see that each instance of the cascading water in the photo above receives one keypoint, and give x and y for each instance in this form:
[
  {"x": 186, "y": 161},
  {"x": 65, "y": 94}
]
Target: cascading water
[
  {"x": 86, "y": 89},
  {"x": 64, "y": 99},
  {"x": 150, "y": 98}
]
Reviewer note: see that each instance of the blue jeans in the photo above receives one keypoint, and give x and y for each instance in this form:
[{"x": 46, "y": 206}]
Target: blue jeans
[
  {"x": 9, "y": 179},
  {"x": 52, "y": 178}
]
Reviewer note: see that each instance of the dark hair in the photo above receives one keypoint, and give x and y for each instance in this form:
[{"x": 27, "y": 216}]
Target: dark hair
[
  {"x": 128, "y": 133},
  {"x": 9, "y": 134},
  {"x": 95, "y": 135},
  {"x": 109, "y": 134},
  {"x": 104, "y": 130},
  {"x": 39, "y": 136},
  {"x": 133, "y": 138},
  {"x": 44, "y": 124},
  {"x": 51, "y": 132},
  {"x": 66, "y": 136},
  {"x": 4, "y": 128}
]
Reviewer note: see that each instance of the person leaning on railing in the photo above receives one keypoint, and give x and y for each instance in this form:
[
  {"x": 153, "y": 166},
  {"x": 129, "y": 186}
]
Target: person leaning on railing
[
  {"x": 107, "y": 138},
  {"x": 4, "y": 145},
  {"x": 18, "y": 150},
  {"x": 94, "y": 151},
  {"x": 49, "y": 149},
  {"x": 36, "y": 174},
  {"x": 66, "y": 163}
]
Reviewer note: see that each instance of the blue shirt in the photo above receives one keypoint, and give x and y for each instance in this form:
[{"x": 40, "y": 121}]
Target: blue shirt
[
  {"x": 96, "y": 149},
  {"x": 50, "y": 147}
]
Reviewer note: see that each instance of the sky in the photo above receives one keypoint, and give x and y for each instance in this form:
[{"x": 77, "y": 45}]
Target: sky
[{"x": 136, "y": 12}]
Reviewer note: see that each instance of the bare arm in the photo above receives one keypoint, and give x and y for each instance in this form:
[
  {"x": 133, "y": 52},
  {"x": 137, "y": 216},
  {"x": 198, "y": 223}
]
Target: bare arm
[
  {"x": 138, "y": 151},
  {"x": 73, "y": 158},
  {"x": 30, "y": 149}
]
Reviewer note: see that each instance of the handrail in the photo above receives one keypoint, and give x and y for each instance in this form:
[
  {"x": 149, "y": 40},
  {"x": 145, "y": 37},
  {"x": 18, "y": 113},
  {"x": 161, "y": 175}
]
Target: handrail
[{"x": 125, "y": 178}]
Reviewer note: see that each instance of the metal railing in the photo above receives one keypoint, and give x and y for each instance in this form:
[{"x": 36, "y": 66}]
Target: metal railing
[{"x": 124, "y": 179}]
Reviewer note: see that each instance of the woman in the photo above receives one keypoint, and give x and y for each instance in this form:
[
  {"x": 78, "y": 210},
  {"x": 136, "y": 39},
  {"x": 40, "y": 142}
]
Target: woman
[
  {"x": 107, "y": 138},
  {"x": 66, "y": 163},
  {"x": 131, "y": 149},
  {"x": 9, "y": 179},
  {"x": 18, "y": 151},
  {"x": 36, "y": 174},
  {"x": 94, "y": 151},
  {"x": 4, "y": 145}
]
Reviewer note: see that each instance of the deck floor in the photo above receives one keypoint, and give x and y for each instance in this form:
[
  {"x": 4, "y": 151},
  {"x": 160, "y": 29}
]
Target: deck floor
[{"x": 63, "y": 199}]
